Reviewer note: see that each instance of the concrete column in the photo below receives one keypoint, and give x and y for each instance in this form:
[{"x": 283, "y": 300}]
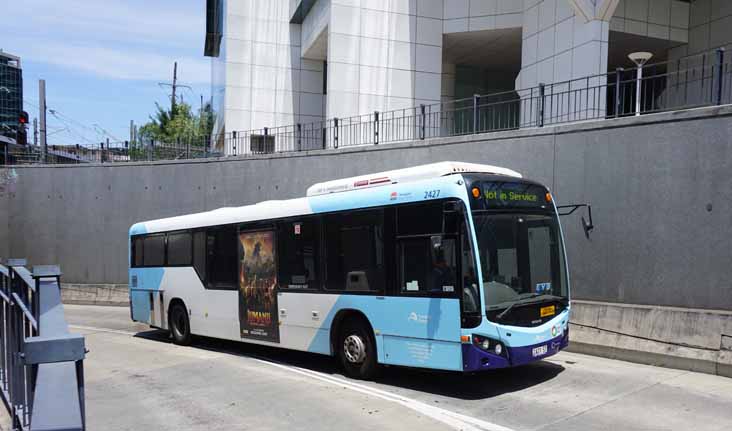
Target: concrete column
[
  {"x": 264, "y": 79},
  {"x": 564, "y": 42},
  {"x": 382, "y": 56}
]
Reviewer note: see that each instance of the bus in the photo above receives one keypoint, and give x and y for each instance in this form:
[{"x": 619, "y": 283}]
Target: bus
[{"x": 450, "y": 266}]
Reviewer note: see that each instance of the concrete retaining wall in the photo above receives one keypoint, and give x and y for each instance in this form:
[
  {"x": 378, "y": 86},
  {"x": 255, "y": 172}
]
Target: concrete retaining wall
[
  {"x": 95, "y": 294},
  {"x": 660, "y": 186},
  {"x": 689, "y": 339}
]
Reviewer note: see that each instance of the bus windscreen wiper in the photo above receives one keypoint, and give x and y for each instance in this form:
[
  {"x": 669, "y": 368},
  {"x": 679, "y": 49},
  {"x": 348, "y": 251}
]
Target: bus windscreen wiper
[{"x": 522, "y": 301}]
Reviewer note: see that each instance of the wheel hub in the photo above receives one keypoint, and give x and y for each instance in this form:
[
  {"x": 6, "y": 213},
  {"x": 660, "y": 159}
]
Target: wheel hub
[{"x": 354, "y": 349}]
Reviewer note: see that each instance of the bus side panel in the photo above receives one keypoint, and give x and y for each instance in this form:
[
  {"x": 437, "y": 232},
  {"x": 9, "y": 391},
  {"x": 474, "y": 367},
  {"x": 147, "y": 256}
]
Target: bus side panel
[
  {"x": 413, "y": 352},
  {"x": 140, "y": 301},
  {"x": 143, "y": 281},
  {"x": 303, "y": 318},
  {"x": 211, "y": 312},
  {"x": 418, "y": 332}
]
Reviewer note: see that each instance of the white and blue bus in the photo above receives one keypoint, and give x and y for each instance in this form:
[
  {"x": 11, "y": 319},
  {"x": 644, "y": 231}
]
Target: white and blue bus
[{"x": 451, "y": 266}]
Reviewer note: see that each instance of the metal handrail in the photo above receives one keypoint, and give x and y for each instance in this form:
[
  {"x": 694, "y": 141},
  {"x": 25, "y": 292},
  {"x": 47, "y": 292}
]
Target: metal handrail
[
  {"x": 33, "y": 335},
  {"x": 25, "y": 310}
]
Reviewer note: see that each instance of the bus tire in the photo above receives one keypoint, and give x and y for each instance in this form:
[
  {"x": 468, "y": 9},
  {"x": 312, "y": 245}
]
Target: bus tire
[
  {"x": 356, "y": 349},
  {"x": 180, "y": 326}
]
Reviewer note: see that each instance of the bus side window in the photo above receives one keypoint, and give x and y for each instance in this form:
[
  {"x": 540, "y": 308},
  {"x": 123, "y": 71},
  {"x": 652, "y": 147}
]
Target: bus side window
[
  {"x": 355, "y": 251},
  {"x": 222, "y": 257},
  {"x": 199, "y": 254},
  {"x": 154, "y": 250},
  {"x": 427, "y": 267},
  {"x": 179, "y": 249},
  {"x": 427, "y": 257},
  {"x": 137, "y": 252},
  {"x": 298, "y": 252}
]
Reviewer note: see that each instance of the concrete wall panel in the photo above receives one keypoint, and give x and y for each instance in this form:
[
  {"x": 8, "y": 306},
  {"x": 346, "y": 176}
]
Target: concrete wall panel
[{"x": 659, "y": 185}]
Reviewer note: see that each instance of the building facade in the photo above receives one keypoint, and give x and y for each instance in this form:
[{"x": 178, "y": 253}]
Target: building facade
[
  {"x": 11, "y": 94},
  {"x": 287, "y": 62}
]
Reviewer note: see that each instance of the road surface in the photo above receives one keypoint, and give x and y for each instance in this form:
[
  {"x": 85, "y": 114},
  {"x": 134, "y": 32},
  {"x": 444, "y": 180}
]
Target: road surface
[{"x": 136, "y": 379}]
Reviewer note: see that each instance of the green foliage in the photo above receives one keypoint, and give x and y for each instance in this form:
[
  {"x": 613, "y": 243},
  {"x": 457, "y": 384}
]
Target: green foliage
[{"x": 179, "y": 124}]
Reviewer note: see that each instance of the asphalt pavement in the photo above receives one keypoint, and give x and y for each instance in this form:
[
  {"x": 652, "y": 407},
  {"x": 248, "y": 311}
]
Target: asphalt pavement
[{"x": 137, "y": 379}]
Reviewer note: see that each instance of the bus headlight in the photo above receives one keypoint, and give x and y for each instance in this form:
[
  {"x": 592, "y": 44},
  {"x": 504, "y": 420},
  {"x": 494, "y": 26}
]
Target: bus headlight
[{"x": 488, "y": 344}]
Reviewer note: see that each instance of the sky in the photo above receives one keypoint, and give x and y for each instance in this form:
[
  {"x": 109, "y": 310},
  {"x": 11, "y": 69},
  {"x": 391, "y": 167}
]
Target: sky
[{"x": 103, "y": 59}]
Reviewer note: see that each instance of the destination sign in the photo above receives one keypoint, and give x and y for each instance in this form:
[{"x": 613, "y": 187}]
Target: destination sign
[{"x": 512, "y": 194}]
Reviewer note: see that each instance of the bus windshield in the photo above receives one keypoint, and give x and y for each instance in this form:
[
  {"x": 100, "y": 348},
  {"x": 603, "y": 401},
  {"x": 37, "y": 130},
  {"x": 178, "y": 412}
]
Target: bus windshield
[{"x": 521, "y": 251}]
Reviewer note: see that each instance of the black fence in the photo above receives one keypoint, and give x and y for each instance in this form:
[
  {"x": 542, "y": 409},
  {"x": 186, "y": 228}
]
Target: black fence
[
  {"x": 113, "y": 152},
  {"x": 41, "y": 363},
  {"x": 696, "y": 81}
]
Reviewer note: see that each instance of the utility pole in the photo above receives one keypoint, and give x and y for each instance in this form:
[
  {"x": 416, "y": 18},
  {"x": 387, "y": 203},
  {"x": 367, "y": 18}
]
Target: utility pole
[
  {"x": 174, "y": 86},
  {"x": 132, "y": 132},
  {"x": 35, "y": 132},
  {"x": 175, "y": 82},
  {"x": 42, "y": 116}
]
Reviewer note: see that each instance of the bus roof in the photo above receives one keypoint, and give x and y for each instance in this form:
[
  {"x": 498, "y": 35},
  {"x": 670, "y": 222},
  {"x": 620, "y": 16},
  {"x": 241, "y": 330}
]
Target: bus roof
[
  {"x": 414, "y": 173},
  {"x": 301, "y": 206}
]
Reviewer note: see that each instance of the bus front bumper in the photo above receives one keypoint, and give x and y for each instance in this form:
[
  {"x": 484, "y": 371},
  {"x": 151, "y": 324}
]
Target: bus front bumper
[{"x": 475, "y": 359}]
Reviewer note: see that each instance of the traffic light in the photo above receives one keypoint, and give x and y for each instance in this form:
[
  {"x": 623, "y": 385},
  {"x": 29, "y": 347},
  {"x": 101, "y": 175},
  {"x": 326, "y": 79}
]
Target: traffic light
[{"x": 21, "y": 137}]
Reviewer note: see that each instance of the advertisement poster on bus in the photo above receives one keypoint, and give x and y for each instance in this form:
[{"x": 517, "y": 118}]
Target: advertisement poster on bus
[{"x": 257, "y": 286}]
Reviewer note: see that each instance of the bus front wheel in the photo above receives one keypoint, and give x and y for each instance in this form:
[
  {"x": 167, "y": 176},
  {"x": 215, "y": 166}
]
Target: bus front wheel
[
  {"x": 357, "y": 350},
  {"x": 180, "y": 327}
]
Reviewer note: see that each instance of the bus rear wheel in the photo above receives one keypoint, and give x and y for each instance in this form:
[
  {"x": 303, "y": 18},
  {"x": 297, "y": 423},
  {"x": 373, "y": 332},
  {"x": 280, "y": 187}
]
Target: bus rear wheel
[
  {"x": 180, "y": 327},
  {"x": 356, "y": 349}
]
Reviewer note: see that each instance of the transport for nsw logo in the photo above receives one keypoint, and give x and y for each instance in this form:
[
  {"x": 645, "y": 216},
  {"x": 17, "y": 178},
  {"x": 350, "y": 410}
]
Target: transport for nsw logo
[{"x": 419, "y": 318}]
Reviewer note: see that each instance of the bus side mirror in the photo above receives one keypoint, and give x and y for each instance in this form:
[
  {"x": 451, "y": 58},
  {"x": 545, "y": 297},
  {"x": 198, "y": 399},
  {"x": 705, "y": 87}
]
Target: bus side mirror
[{"x": 587, "y": 225}]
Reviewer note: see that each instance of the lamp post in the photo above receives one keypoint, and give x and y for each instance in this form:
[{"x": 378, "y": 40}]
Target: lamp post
[{"x": 639, "y": 58}]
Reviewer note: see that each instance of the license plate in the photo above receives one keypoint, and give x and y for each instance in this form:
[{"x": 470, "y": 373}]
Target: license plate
[
  {"x": 538, "y": 351},
  {"x": 547, "y": 311}
]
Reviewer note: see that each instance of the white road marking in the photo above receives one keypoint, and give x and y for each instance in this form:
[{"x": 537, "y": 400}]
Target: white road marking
[
  {"x": 95, "y": 329},
  {"x": 454, "y": 420}
]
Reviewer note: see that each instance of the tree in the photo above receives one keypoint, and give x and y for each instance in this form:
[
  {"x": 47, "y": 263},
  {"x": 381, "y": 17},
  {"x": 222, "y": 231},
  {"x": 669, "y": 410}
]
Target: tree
[{"x": 179, "y": 125}]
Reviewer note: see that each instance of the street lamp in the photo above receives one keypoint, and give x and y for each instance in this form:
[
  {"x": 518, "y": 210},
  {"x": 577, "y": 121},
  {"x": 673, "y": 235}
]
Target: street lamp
[{"x": 639, "y": 58}]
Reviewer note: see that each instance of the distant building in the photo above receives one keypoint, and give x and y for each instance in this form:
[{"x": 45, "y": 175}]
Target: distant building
[
  {"x": 282, "y": 62},
  {"x": 11, "y": 94}
]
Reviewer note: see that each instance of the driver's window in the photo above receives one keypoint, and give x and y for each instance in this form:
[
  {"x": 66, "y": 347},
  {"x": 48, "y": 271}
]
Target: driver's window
[{"x": 427, "y": 267}]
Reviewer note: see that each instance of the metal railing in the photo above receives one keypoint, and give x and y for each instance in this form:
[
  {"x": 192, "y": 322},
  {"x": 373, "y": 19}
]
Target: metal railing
[
  {"x": 41, "y": 363},
  {"x": 112, "y": 152},
  {"x": 694, "y": 81}
]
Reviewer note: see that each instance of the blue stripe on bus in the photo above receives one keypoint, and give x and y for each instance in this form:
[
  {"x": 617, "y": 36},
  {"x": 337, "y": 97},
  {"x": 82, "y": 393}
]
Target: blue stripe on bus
[
  {"x": 140, "y": 305},
  {"x": 138, "y": 229},
  {"x": 419, "y": 332},
  {"x": 147, "y": 279},
  {"x": 417, "y": 191}
]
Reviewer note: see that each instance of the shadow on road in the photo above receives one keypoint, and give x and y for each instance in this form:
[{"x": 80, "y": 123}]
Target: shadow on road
[{"x": 474, "y": 386}]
